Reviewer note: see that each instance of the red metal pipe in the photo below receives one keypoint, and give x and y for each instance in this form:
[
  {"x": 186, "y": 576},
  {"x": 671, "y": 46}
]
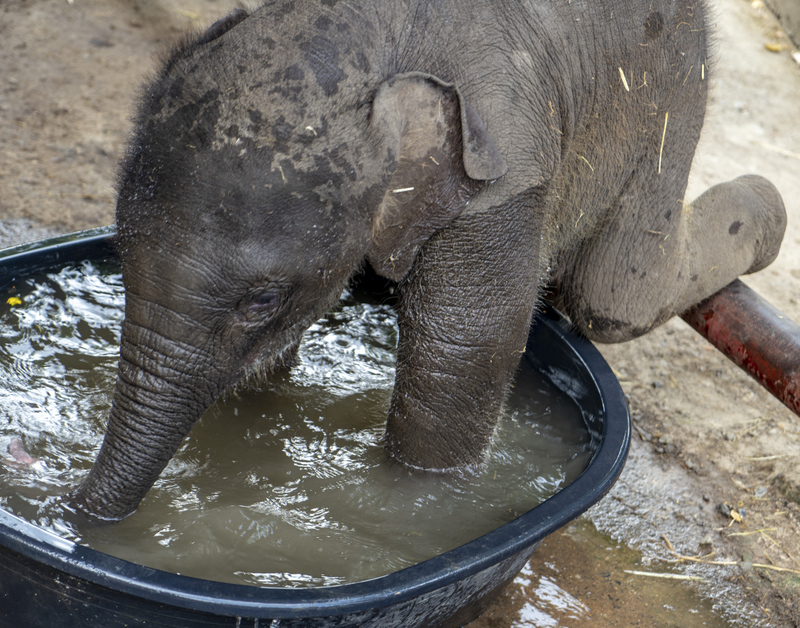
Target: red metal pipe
[{"x": 755, "y": 335}]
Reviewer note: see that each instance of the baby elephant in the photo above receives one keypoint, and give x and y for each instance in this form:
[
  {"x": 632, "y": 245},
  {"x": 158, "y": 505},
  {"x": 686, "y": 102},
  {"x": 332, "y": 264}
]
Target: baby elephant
[{"x": 473, "y": 151}]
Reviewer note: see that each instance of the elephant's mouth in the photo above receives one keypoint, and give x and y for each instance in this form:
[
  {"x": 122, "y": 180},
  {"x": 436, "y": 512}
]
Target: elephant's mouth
[{"x": 261, "y": 363}]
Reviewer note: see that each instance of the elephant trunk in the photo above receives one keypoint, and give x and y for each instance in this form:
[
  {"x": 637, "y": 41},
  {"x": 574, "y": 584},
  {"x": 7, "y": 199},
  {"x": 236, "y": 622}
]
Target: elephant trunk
[{"x": 152, "y": 411}]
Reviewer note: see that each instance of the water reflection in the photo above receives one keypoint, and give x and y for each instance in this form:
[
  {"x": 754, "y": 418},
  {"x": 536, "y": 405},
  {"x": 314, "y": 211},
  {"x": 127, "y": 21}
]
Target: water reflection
[{"x": 547, "y": 604}]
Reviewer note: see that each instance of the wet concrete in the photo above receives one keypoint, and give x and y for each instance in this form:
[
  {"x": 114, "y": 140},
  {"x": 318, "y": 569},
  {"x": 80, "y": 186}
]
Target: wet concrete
[
  {"x": 581, "y": 575},
  {"x": 16, "y": 231}
]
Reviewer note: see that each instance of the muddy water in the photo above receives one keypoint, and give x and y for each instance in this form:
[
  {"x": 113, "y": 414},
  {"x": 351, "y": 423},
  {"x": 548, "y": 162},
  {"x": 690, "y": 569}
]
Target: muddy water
[{"x": 287, "y": 485}]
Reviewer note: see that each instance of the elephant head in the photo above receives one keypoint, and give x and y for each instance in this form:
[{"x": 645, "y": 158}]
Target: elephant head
[{"x": 259, "y": 178}]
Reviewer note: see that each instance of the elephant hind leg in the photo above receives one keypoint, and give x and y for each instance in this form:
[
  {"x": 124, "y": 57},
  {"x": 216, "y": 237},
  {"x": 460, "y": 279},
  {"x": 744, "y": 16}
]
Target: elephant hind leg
[{"x": 653, "y": 262}]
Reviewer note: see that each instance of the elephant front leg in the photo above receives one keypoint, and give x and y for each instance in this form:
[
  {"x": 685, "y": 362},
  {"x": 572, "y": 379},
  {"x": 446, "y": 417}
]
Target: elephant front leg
[
  {"x": 464, "y": 315},
  {"x": 657, "y": 260}
]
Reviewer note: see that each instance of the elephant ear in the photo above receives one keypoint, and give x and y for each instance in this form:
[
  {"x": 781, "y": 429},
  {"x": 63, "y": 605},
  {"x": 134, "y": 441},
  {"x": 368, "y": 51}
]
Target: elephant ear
[{"x": 444, "y": 156}]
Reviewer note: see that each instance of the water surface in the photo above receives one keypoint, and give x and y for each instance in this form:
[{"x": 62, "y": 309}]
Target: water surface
[{"x": 285, "y": 485}]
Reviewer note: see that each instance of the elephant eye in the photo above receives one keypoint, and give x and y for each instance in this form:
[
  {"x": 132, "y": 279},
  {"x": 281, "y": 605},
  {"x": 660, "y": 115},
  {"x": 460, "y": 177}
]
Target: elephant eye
[
  {"x": 260, "y": 305},
  {"x": 265, "y": 301}
]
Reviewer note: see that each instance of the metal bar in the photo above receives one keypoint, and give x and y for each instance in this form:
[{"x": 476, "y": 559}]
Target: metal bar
[{"x": 755, "y": 335}]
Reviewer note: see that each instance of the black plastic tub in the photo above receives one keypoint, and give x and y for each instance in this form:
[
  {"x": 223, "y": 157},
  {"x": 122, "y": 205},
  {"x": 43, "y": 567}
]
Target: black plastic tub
[{"x": 48, "y": 581}]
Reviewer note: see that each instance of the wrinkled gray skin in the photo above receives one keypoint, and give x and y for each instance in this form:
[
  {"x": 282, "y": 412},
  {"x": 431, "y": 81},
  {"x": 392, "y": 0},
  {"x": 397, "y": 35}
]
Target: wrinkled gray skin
[{"x": 474, "y": 151}]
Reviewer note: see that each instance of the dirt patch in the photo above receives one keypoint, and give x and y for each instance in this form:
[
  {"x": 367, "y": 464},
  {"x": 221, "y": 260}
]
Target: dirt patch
[
  {"x": 67, "y": 86},
  {"x": 70, "y": 75}
]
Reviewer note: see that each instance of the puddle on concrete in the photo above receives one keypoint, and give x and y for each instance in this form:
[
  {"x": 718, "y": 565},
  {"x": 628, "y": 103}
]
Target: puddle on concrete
[
  {"x": 578, "y": 576},
  {"x": 602, "y": 590}
]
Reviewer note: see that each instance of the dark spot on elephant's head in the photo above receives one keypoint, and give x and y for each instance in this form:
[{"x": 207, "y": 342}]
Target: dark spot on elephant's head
[
  {"x": 175, "y": 89},
  {"x": 323, "y": 22},
  {"x": 268, "y": 43},
  {"x": 232, "y": 131},
  {"x": 256, "y": 119},
  {"x": 285, "y": 9},
  {"x": 282, "y": 130},
  {"x": 694, "y": 277},
  {"x": 326, "y": 176},
  {"x": 668, "y": 215},
  {"x": 291, "y": 94},
  {"x": 294, "y": 73},
  {"x": 734, "y": 228},
  {"x": 653, "y": 25},
  {"x": 323, "y": 58},
  {"x": 198, "y": 120}
]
